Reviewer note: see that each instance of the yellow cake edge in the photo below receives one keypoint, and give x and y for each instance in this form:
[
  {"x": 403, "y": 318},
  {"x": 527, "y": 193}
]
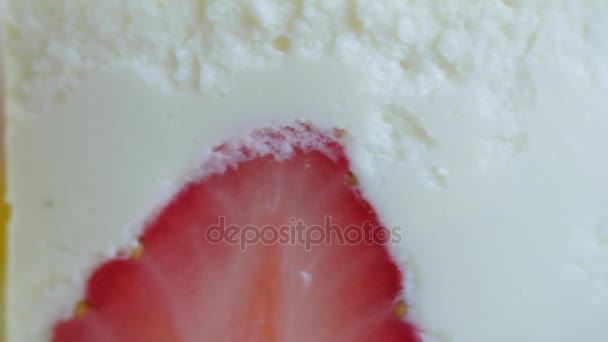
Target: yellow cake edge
[{"x": 4, "y": 208}]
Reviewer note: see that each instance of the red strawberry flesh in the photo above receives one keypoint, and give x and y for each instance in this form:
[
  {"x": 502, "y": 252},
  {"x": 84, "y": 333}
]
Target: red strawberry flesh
[{"x": 187, "y": 286}]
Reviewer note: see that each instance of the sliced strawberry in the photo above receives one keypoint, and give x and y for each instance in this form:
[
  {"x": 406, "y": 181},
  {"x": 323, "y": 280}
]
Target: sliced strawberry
[{"x": 187, "y": 285}]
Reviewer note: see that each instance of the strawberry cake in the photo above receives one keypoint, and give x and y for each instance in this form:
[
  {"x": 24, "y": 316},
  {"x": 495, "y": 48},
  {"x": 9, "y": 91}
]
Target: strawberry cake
[{"x": 303, "y": 170}]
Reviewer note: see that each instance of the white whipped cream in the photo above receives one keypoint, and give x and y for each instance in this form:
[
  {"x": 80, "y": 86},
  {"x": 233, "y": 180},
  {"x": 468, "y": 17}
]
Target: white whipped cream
[{"x": 479, "y": 127}]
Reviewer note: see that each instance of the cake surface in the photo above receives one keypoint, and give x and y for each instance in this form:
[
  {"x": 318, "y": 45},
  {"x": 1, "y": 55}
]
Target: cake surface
[{"x": 477, "y": 127}]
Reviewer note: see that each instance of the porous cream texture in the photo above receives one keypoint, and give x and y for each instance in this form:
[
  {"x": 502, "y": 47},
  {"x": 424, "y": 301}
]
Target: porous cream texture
[{"x": 477, "y": 126}]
